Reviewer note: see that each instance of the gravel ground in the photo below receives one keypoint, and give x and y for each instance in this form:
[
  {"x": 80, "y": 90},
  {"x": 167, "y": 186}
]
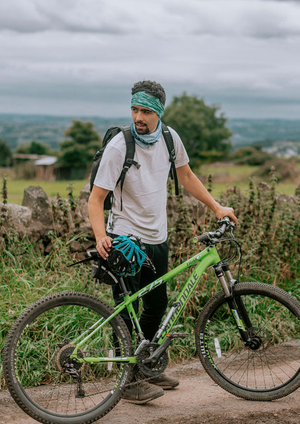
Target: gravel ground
[{"x": 196, "y": 400}]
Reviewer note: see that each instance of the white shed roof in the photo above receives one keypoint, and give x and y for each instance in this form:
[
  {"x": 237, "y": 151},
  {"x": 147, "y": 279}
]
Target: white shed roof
[{"x": 48, "y": 160}]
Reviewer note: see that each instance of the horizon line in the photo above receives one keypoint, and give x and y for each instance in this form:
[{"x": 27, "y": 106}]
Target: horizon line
[{"x": 123, "y": 117}]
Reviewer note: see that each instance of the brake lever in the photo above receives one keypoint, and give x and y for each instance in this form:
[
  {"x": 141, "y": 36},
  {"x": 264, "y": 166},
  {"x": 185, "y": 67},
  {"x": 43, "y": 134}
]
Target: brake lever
[
  {"x": 80, "y": 262},
  {"x": 92, "y": 254}
]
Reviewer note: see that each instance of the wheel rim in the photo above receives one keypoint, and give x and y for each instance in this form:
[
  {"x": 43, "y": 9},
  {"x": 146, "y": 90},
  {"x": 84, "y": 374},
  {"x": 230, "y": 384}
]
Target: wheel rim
[
  {"x": 43, "y": 345},
  {"x": 272, "y": 360}
]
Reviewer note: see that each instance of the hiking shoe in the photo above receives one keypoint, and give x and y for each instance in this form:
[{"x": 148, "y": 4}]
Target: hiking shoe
[
  {"x": 142, "y": 392},
  {"x": 165, "y": 382}
]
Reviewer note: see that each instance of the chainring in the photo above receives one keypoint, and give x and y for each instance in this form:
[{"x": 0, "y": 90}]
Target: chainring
[
  {"x": 63, "y": 361},
  {"x": 151, "y": 369}
]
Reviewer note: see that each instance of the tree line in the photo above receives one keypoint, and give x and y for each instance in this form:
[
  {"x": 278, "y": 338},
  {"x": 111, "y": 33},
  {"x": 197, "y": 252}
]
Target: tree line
[{"x": 202, "y": 128}]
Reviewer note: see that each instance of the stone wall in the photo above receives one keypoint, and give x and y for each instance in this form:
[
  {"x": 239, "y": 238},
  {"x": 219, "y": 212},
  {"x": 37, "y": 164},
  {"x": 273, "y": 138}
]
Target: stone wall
[{"x": 41, "y": 219}]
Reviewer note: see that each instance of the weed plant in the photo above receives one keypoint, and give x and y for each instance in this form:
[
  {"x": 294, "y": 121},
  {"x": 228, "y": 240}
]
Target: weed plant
[
  {"x": 268, "y": 231},
  {"x": 269, "y": 235},
  {"x": 26, "y": 276}
]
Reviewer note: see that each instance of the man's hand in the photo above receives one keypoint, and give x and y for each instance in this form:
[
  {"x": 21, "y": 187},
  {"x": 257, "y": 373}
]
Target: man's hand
[
  {"x": 96, "y": 215},
  {"x": 103, "y": 246},
  {"x": 223, "y": 211}
]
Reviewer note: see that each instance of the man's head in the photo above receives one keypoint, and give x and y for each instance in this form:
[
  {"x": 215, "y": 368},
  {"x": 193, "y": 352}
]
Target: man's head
[{"x": 147, "y": 105}]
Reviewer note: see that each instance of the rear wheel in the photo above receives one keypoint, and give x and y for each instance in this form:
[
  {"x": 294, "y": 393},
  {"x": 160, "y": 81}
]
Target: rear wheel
[
  {"x": 42, "y": 378},
  {"x": 266, "y": 369}
]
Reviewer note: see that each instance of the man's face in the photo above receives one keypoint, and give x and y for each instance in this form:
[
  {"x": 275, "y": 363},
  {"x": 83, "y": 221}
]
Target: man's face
[{"x": 145, "y": 120}]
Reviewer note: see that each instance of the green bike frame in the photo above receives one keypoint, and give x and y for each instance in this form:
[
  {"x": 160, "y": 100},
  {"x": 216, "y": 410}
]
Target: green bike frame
[{"x": 203, "y": 260}]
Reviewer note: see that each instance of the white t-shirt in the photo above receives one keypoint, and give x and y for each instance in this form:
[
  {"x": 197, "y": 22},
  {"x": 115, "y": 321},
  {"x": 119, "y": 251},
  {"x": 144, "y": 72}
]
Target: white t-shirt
[{"x": 144, "y": 194}]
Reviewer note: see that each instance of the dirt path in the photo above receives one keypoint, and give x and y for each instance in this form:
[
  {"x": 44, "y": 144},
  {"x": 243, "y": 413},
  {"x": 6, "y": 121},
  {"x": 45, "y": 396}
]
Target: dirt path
[{"x": 197, "y": 400}]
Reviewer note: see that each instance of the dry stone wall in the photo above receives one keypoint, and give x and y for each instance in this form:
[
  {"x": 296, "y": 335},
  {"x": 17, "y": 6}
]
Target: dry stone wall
[{"x": 41, "y": 219}]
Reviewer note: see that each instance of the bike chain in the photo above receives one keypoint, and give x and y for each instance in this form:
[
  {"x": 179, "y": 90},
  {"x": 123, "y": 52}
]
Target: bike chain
[{"x": 64, "y": 351}]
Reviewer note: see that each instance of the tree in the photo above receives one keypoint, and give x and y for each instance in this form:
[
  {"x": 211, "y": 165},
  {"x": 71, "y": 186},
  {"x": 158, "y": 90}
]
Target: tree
[
  {"x": 79, "y": 150},
  {"x": 34, "y": 148},
  {"x": 5, "y": 154},
  {"x": 22, "y": 149},
  {"x": 201, "y": 128}
]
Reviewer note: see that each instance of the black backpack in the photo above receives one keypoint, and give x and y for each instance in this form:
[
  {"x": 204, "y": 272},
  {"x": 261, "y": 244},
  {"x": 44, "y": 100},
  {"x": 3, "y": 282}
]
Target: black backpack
[{"x": 129, "y": 158}]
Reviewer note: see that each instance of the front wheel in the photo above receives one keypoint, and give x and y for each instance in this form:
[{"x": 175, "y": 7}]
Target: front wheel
[
  {"x": 42, "y": 377},
  {"x": 268, "y": 368}
]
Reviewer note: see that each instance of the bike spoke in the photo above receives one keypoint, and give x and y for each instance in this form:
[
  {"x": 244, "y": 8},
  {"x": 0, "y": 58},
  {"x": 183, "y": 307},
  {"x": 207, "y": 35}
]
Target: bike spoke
[
  {"x": 271, "y": 359},
  {"x": 47, "y": 375}
]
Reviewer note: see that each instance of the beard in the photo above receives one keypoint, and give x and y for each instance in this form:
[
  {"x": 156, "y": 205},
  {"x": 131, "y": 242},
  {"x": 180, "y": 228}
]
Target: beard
[{"x": 141, "y": 131}]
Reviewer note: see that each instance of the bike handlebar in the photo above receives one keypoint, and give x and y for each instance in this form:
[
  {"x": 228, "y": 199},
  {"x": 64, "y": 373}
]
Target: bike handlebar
[{"x": 207, "y": 238}]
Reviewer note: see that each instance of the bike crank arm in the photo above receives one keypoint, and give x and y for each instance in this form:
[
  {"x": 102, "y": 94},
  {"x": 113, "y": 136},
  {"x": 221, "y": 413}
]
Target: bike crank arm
[{"x": 157, "y": 354}]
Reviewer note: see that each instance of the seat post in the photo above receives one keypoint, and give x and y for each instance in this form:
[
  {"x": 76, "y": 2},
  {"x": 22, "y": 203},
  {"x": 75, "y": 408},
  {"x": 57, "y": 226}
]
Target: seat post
[{"x": 124, "y": 290}]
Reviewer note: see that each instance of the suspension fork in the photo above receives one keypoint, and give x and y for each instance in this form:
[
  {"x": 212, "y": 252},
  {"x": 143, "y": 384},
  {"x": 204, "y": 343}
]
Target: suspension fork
[{"x": 235, "y": 303}]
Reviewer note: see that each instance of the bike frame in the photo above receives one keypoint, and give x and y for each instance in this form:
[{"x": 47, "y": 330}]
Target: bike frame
[{"x": 204, "y": 259}]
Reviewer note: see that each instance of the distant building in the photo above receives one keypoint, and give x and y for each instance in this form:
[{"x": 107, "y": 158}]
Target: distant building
[
  {"x": 45, "y": 168},
  {"x": 28, "y": 166}
]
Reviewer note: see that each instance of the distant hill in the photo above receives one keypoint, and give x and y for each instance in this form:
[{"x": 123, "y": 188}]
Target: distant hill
[
  {"x": 22, "y": 129},
  {"x": 266, "y": 131}
]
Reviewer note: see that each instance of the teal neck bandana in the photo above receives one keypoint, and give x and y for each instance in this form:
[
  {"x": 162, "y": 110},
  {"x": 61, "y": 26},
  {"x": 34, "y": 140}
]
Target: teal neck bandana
[
  {"x": 147, "y": 140},
  {"x": 150, "y": 102}
]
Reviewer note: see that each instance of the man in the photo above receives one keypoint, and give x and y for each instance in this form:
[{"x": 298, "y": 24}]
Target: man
[{"x": 140, "y": 209}]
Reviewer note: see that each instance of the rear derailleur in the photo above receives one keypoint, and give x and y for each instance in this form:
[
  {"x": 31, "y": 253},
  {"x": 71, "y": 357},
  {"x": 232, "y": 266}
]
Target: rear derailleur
[{"x": 66, "y": 365}]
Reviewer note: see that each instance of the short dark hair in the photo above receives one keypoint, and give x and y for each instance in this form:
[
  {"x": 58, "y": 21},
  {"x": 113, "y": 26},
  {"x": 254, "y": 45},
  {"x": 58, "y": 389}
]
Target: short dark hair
[{"x": 151, "y": 87}]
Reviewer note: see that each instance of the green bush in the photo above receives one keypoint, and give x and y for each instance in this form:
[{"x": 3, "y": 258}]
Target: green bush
[
  {"x": 268, "y": 231},
  {"x": 252, "y": 156},
  {"x": 286, "y": 169}
]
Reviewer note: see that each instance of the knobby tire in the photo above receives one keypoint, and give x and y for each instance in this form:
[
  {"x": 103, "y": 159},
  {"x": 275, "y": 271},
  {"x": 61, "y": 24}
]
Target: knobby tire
[
  {"x": 39, "y": 345},
  {"x": 270, "y": 370}
]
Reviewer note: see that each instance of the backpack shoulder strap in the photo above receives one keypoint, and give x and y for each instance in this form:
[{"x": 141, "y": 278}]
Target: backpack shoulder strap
[
  {"x": 172, "y": 156},
  {"x": 130, "y": 149},
  {"x": 129, "y": 157}
]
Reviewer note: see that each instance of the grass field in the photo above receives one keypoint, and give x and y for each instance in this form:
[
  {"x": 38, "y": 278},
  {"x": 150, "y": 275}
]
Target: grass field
[
  {"x": 223, "y": 177},
  {"x": 15, "y": 188},
  {"x": 226, "y": 176},
  {"x": 269, "y": 234}
]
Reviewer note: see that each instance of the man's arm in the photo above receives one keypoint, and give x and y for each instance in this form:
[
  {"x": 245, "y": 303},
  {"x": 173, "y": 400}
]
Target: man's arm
[
  {"x": 193, "y": 185},
  {"x": 96, "y": 215}
]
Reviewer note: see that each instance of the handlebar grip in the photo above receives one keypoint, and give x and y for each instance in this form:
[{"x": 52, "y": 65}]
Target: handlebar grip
[
  {"x": 207, "y": 237},
  {"x": 220, "y": 232},
  {"x": 203, "y": 238}
]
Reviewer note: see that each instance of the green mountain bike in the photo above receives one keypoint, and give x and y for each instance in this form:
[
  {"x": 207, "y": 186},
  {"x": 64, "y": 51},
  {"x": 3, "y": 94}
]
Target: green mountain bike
[{"x": 69, "y": 355}]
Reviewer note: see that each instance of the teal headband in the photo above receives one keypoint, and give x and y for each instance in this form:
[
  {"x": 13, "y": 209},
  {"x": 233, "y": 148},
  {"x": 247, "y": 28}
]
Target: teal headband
[{"x": 150, "y": 102}]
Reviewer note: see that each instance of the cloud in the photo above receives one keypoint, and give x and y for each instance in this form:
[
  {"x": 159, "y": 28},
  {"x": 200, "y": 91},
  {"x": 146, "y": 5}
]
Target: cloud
[
  {"x": 255, "y": 18},
  {"x": 90, "y": 52},
  {"x": 68, "y": 15}
]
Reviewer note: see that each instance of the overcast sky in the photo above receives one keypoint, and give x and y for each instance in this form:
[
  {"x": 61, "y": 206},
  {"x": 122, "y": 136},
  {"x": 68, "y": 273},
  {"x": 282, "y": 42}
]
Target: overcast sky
[{"x": 81, "y": 57}]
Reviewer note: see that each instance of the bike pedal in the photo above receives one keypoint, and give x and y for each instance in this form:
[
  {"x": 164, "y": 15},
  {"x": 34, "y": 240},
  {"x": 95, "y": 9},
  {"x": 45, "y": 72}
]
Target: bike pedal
[{"x": 177, "y": 335}]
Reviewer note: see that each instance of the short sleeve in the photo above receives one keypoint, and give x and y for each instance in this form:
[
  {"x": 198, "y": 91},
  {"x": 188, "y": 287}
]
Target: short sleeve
[{"x": 110, "y": 168}]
